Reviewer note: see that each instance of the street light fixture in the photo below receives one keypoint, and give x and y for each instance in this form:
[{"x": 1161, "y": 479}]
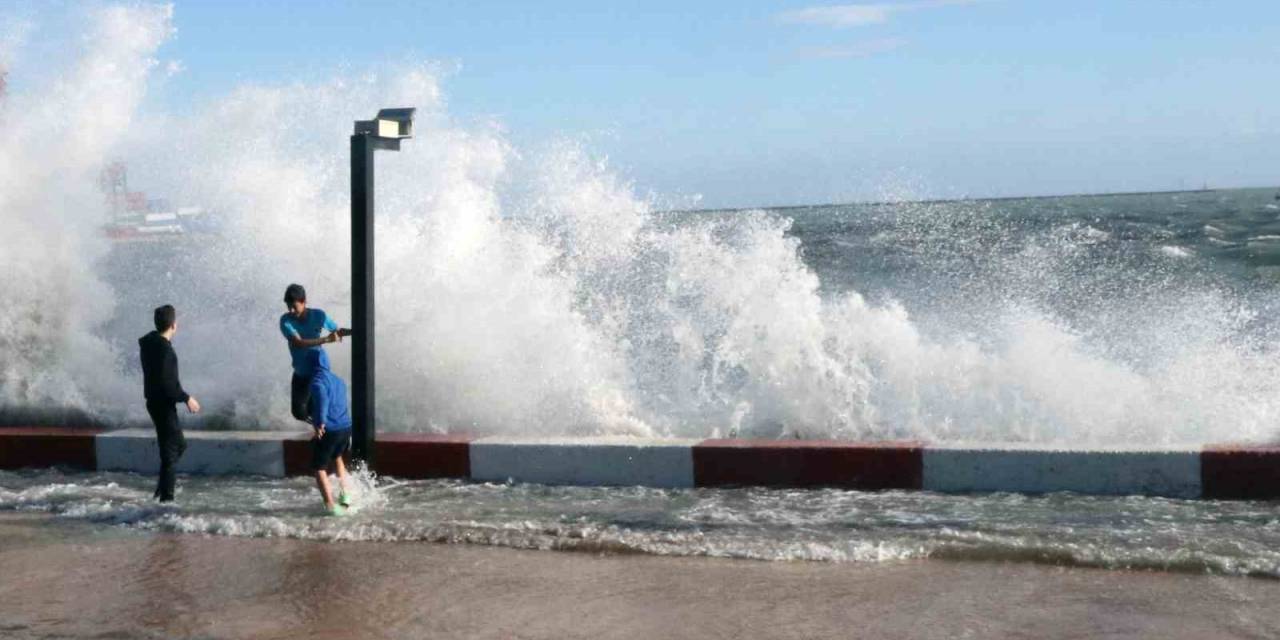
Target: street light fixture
[
  {"x": 389, "y": 127},
  {"x": 383, "y": 132}
]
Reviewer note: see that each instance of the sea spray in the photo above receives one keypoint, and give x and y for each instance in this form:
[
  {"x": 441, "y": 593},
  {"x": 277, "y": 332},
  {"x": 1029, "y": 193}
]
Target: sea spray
[
  {"x": 56, "y": 138},
  {"x": 531, "y": 291}
]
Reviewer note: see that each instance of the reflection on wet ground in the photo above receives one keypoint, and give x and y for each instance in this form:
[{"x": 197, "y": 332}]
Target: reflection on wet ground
[{"x": 76, "y": 579}]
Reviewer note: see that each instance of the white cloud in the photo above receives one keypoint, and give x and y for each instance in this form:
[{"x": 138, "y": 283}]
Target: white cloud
[
  {"x": 843, "y": 16},
  {"x": 856, "y": 50},
  {"x": 849, "y": 15}
]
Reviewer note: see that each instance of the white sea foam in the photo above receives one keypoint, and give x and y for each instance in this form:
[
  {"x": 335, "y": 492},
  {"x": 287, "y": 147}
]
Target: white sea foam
[
  {"x": 55, "y": 139},
  {"x": 1234, "y": 538},
  {"x": 531, "y": 290}
]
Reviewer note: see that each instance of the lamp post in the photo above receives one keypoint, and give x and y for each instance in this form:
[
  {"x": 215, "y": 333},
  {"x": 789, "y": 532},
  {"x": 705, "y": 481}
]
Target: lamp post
[{"x": 383, "y": 132}]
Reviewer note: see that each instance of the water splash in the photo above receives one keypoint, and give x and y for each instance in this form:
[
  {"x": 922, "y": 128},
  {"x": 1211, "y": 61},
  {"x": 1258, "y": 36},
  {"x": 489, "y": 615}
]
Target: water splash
[
  {"x": 1195, "y": 536},
  {"x": 532, "y": 291},
  {"x": 55, "y": 139}
]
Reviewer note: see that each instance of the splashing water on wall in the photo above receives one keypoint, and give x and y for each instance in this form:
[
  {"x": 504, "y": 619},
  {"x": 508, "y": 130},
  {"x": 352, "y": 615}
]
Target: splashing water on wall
[{"x": 531, "y": 291}]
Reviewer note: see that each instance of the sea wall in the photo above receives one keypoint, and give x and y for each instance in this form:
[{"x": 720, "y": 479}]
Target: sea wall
[{"x": 1213, "y": 471}]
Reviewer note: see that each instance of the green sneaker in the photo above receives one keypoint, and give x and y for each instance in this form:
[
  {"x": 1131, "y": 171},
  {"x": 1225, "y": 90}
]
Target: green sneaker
[
  {"x": 338, "y": 510},
  {"x": 344, "y": 499}
]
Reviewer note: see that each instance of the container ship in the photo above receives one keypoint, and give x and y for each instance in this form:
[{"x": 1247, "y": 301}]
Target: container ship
[{"x": 133, "y": 216}]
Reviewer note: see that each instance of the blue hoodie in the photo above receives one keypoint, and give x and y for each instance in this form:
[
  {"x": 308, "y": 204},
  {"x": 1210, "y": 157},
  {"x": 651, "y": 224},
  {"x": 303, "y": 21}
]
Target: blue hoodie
[{"x": 328, "y": 404}]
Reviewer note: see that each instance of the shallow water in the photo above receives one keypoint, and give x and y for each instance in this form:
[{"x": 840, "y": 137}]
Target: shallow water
[
  {"x": 68, "y": 578},
  {"x": 1198, "y": 536}
]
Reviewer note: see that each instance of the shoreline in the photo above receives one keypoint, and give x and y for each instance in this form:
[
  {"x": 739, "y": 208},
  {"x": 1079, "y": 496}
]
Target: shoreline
[{"x": 187, "y": 586}]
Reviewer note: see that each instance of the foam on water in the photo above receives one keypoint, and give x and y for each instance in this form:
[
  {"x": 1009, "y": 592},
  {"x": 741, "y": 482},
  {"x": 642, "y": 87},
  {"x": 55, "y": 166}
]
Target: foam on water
[
  {"x": 1235, "y": 538},
  {"x": 532, "y": 291}
]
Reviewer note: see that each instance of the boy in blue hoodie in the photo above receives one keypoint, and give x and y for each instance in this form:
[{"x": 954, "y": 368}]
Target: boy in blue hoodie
[{"x": 331, "y": 423}]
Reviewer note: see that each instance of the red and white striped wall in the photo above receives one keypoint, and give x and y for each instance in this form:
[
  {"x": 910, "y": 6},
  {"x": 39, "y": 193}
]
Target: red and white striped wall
[{"x": 1251, "y": 472}]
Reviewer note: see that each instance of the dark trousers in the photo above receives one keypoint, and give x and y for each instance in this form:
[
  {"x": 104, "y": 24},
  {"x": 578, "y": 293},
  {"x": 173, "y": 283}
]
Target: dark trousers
[
  {"x": 172, "y": 445},
  {"x": 299, "y": 395}
]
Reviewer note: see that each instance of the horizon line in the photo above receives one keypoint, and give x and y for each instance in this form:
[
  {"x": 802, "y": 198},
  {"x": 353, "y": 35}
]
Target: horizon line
[{"x": 877, "y": 203}]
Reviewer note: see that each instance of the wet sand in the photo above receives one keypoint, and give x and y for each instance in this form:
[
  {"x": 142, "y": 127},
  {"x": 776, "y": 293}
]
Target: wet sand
[{"x": 72, "y": 579}]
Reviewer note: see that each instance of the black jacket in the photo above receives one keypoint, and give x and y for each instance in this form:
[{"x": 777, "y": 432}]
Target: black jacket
[{"x": 160, "y": 370}]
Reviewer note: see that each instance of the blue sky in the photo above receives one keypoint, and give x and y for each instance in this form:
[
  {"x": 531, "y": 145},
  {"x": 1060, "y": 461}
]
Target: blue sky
[{"x": 753, "y": 103}]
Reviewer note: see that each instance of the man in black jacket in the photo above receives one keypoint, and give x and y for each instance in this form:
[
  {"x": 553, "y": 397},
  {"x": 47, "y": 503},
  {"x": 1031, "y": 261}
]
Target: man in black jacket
[{"x": 163, "y": 390}]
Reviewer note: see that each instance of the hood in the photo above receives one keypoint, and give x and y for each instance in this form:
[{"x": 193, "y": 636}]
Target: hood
[{"x": 317, "y": 361}]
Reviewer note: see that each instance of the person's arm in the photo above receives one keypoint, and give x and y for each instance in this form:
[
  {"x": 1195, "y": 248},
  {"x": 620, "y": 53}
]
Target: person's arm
[
  {"x": 173, "y": 385},
  {"x": 169, "y": 378},
  {"x": 302, "y": 343},
  {"x": 332, "y": 327},
  {"x": 319, "y": 408}
]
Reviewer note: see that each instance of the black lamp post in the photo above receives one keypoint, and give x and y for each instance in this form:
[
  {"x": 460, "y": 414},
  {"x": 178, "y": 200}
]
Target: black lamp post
[{"x": 383, "y": 132}]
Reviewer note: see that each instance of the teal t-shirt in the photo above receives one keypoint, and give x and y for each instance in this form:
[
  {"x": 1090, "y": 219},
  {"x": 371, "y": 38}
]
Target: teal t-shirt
[{"x": 310, "y": 326}]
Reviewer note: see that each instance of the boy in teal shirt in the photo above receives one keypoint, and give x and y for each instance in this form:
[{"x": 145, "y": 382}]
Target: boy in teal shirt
[{"x": 304, "y": 329}]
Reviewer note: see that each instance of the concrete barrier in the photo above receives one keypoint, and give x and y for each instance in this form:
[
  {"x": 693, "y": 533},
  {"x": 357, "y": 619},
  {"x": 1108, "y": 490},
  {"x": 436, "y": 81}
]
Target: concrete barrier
[
  {"x": 1217, "y": 471},
  {"x": 1165, "y": 472},
  {"x": 420, "y": 455},
  {"x": 601, "y": 461},
  {"x": 208, "y": 452},
  {"x": 295, "y": 449},
  {"x": 48, "y": 447},
  {"x": 1240, "y": 472},
  {"x": 802, "y": 463}
]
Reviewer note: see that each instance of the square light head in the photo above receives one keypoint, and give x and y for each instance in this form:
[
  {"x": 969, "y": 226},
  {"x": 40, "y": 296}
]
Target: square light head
[
  {"x": 395, "y": 123},
  {"x": 391, "y": 124}
]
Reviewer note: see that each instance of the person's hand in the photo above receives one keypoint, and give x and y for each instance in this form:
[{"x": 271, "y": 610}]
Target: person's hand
[
  {"x": 319, "y": 432},
  {"x": 335, "y": 337},
  {"x": 193, "y": 405}
]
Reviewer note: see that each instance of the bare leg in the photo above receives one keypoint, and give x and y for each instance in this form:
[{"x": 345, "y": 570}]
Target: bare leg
[
  {"x": 322, "y": 481},
  {"x": 342, "y": 476}
]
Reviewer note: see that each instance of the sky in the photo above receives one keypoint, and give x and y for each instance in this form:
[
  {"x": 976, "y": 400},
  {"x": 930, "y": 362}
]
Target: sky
[{"x": 753, "y": 103}]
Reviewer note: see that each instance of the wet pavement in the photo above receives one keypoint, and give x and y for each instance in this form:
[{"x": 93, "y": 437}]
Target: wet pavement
[{"x": 71, "y": 579}]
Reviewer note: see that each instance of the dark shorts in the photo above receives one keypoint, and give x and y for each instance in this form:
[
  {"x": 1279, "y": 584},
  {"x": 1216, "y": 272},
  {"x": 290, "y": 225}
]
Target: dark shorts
[{"x": 329, "y": 448}]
